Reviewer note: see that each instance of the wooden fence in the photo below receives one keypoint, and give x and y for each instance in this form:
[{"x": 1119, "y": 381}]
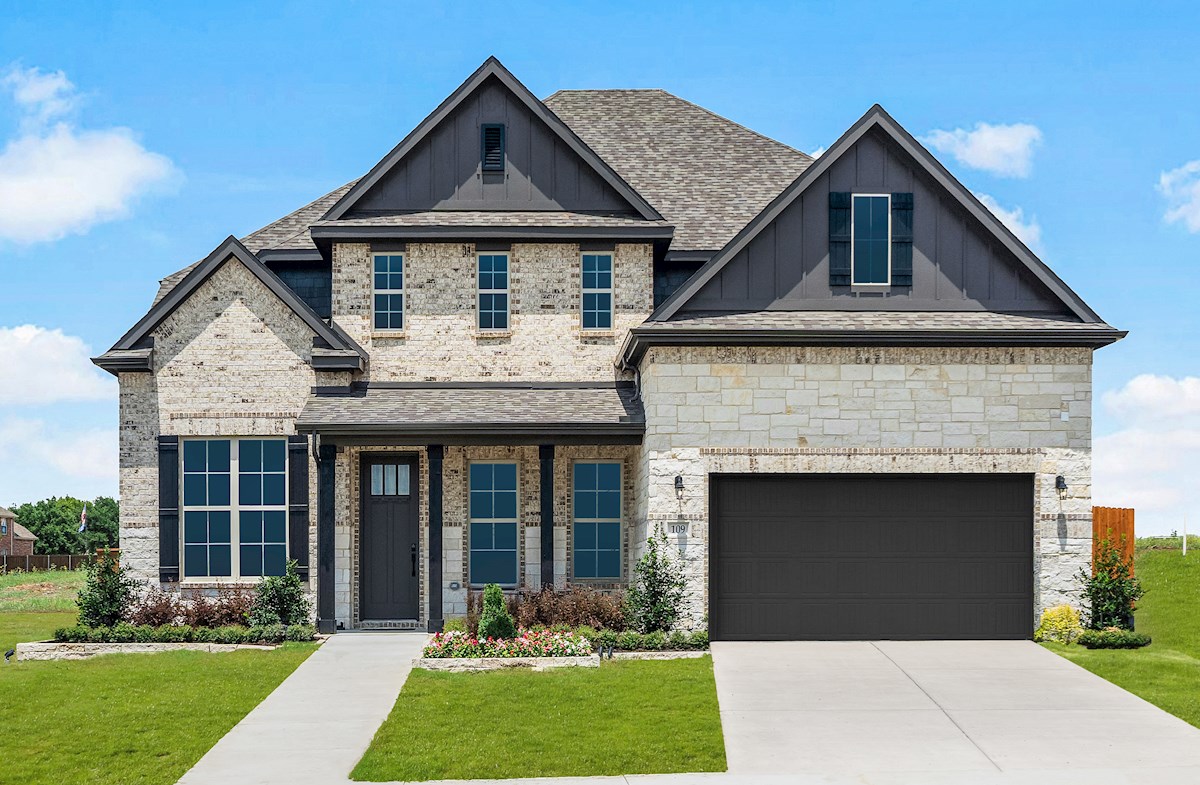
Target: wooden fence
[
  {"x": 1114, "y": 524},
  {"x": 44, "y": 561}
]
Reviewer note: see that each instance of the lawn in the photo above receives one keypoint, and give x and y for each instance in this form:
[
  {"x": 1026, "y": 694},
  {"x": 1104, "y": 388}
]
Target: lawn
[
  {"x": 1167, "y": 672},
  {"x": 632, "y": 717},
  {"x": 44, "y": 590}
]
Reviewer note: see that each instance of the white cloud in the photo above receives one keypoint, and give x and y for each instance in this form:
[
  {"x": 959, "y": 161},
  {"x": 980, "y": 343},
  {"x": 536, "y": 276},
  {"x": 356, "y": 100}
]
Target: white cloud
[
  {"x": 1150, "y": 463},
  {"x": 820, "y": 151},
  {"x": 1003, "y": 150},
  {"x": 40, "y": 366},
  {"x": 57, "y": 179},
  {"x": 1029, "y": 230},
  {"x": 1181, "y": 187},
  {"x": 38, "y": 460}
]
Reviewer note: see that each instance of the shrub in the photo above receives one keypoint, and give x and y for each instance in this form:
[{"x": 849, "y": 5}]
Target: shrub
[
  {"x": 578, "y": 606},
  {"x": 528, "y": 644},
  {"x": 156, "y": 607},
  {"x": 107, "y": 594},
  {"x": 128, "y": 633},
  {"x": 298, "y": 632},
  {"x": 630, "y": 640},
  {"x": 1113, "y": 638},
  {"x": 605, "y": 638},
  {"x": 656, "y": 596},
  {"x": 1110, "y": 591},
  {"x": 654, "y": 641},
  {"x": 1060, "y": 623},
  {"x": 698, "y": 639},
  {"x": 173, "y": 633},
  {"x": 455, "y": 624},
  {"x": 495, "y": 621},
  {"x": 280, "y": 599},
  {"x": 678, "y": 641}
]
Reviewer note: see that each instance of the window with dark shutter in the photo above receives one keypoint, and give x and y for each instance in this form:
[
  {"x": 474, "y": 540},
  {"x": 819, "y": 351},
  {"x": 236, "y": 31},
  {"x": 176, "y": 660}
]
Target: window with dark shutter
[
  {"x": 297, "y": 470},
  {"x": 492, "y": 142},
  {"x": 902, "y": 239},
  {"x": 839, "y": 238},
  {"x": 168, "y": 508}
]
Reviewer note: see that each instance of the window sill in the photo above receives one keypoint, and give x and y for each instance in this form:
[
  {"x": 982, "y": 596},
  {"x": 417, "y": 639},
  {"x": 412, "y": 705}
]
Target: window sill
[
  {"x": 382, "y": 334},
  {"x": 485, "y": 334},
  {"x": 217, "y": 583},
  {"x": 609, "y": 333}
]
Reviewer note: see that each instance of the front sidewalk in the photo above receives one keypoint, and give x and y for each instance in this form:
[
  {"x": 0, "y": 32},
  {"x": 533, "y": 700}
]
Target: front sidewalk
[{"x": 316, "y": 725}]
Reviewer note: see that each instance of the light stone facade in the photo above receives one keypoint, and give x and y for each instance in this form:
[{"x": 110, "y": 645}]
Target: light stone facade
[
  {"x": 440, "y": 341},
  {"x": 853, "y": 410}
]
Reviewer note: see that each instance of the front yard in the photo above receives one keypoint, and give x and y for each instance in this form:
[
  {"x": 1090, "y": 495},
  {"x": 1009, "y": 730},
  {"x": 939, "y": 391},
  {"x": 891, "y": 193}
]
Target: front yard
[
  {"x": 124, "y": 719},
  {"x": 633, "y": 717},
  {"x": 1167, "y": 672}
]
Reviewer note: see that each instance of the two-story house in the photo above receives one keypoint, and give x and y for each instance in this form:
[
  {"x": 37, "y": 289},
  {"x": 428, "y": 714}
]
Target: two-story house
[
  {"x": 538, "y": 332},
  {"x": 15, "y": 539}
]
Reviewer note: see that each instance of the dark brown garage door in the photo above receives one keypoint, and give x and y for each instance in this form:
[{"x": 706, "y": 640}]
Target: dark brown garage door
[{"x": 863, "y": 557}]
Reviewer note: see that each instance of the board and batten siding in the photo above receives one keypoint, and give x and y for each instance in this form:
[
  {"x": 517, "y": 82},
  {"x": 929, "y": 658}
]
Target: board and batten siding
[
  {"x": 443, "y": 172},
  {"x": 957, "y": 264}
]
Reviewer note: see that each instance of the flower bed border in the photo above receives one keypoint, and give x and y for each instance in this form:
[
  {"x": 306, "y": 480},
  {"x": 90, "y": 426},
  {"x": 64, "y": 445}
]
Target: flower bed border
[
  {"x": 469, "y": 664},
  {"x": 51, "y": 650},
  {"x": 675, "y": 654}
]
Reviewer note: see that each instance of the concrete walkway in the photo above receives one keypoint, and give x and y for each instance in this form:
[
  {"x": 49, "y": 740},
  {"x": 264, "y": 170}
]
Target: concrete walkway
[{"x": 316, "y": 725}]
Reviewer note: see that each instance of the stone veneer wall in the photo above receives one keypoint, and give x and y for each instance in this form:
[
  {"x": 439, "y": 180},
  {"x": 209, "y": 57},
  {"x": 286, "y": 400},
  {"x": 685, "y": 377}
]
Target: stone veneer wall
[
  {"x": 901, "y": 410},
  {"x": 230, "y": 361},
  {"x": 441, "y": 343}
]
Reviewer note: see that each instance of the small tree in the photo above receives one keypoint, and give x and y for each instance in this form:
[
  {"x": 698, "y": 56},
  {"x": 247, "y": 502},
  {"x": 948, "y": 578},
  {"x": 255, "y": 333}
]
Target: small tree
[
  {"x": 495, "y": 621},
  {"x": 656, "y": 596},
  {"x": 280, "y": 599},
  {"x": 107, "y": 592},
  {"x": 1110, "y": 591}
]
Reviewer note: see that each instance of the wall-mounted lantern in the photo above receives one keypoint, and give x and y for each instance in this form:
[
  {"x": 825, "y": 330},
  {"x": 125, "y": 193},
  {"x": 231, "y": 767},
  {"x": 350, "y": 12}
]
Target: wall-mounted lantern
[
  {"x": 1060, "y": 484},
  {"x": 679, "y": 487}
]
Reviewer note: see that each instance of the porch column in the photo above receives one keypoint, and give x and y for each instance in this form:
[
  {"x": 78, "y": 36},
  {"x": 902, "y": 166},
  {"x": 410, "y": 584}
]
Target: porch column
[
  {"x": 546, "y": 453},
  {"x": 436, "y": 453},
  {"x": 326, "y": 460}
]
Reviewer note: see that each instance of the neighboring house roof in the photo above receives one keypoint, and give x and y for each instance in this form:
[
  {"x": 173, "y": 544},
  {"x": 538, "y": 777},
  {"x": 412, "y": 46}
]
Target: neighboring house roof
[
  {"x": 131, "y": 354},
  {"x": 6, "y": 513},
  {"x": 482, "y": 409},
  {"x": 865, "y": 328},
  {"x": 21, "y": 533},
  {"x": 876, "y": 117},
  {"x": 492, "y": 68},
  {"x": 707, "y": 175}
]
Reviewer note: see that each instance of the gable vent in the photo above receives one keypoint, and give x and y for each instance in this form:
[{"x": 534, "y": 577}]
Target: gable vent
[{"x": 492, "y": 136}]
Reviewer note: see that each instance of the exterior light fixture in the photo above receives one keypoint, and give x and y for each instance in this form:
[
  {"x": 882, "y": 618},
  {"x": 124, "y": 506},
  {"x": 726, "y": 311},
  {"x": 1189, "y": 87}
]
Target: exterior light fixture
[
  {"x": 679, "y": 487},
  {"x": 1060, "y": 484}
]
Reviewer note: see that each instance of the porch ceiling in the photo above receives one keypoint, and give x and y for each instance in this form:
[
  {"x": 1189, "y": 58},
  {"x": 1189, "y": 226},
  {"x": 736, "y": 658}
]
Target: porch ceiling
[{"x": 516, "y": 412}]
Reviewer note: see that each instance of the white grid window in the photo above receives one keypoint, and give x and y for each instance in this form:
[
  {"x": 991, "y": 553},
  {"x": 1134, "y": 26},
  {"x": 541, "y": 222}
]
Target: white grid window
[
  {"x": 597, "y": 291},
  {"x": 492, "y": 280},
  {"x": 388, "y": 292}
]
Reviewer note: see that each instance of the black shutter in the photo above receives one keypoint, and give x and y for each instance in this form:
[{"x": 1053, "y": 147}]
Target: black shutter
[
  {"x": 168, "y": 508},
  {"x": 839, "y": 238},
  {"x": 298, "y": 503},
  {"x": 492, "y": 143},
  {"x": 902, "y": 239}
]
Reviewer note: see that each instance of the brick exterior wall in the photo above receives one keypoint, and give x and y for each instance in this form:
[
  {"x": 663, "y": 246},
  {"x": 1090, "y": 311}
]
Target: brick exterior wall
[
  {"x": 11, "y": 545},
  {"x": 901, "y": 410}
]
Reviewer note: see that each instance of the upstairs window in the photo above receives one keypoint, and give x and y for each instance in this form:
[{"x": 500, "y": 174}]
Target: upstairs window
[
  {"x": 492, "y": 147},
  {"x": 871, "y": 234},
  {"x": 597, "y": 291},
  {"x": 388, "y": 300},
  {"x": 493, "y": 291}
]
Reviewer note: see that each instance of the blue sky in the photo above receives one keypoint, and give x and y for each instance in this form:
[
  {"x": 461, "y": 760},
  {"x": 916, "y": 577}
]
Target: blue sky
[{"x": 235, "y": 115}]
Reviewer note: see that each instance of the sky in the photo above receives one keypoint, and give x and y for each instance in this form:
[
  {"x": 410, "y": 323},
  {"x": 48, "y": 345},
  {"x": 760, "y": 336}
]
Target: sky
[{"x": 134, "y": 137}]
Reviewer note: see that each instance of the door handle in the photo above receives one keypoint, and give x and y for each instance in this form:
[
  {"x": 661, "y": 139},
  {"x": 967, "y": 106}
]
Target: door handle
[{"x": 413, "y": 551}]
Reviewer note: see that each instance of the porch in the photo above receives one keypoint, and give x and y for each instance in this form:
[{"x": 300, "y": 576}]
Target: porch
[{"x": 427, "y": 491}]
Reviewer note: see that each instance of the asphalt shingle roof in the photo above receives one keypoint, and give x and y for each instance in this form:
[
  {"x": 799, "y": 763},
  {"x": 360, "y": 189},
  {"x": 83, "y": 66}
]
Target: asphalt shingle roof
[
  {"x": 396, "y": 408},
  {"x": 705, "y": 174},
  {"x": 21, "y": 533},
  {"x": 6, "y": 513},
  {"x": 867, "y": 320},
  {"x": 513, "y": 218}
]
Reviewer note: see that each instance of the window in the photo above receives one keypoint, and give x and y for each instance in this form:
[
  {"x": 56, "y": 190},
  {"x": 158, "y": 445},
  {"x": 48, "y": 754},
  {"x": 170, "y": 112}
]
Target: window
[
  {"x": 3, "y": 527},
  {"x": 491, "y": 142},
  {"x": 389, "y": 292},
  {"x": 597, "y": 493},
  {"x": 871, "y": 238},
  {"x": 390, "y": 479},
  {"x": 493, "y": 514},
  {"x": 597, "y": 291},
  {"x": 234, "y": 535},
  {"x": 493, "y": 291}
]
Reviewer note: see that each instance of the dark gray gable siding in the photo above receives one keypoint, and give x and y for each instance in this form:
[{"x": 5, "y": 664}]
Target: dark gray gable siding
[
  {"x": 957, "y": 262},
  {"x": 443, "y": 171}
]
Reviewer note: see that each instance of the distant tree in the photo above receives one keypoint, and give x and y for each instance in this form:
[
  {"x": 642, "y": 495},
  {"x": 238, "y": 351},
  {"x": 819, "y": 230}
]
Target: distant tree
[{"x": 55, "y": 522}]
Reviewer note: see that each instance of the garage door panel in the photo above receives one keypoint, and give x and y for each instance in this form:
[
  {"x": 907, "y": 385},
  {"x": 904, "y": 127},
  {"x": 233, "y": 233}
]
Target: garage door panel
[{"x": 871, "y": 556}]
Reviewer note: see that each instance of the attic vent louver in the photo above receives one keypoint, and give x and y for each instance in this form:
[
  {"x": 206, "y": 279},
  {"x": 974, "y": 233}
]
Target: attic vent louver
[{"x": 492, "y": 143}]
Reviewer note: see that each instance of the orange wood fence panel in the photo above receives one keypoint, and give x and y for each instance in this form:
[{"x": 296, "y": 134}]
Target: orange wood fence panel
[{"x": 1114, "y": 524}]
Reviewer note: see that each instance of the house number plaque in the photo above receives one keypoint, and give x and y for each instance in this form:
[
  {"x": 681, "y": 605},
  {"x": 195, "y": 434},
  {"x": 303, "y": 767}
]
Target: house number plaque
[{"x": 677, "y": 528}]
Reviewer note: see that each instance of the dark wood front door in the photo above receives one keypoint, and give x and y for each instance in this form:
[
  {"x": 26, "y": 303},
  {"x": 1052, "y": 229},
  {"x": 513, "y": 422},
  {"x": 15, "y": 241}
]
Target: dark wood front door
[{"x": 389, "y": 549}]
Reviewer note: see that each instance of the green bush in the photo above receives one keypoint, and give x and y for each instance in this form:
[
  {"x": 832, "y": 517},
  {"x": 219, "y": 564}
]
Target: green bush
[
  {"x": 1110, "y": 590},
  {"x": 455, "y": 624},
  {"x": 605, "y": 638},
  {"x": 1113, "y": 638},
  {"x": 656, "y": 596},
  {"x": 1060, "y": 623},
  {"x": 107, "y": 593},
  {"x": 654, "y": 641},
  {"x": 629, "y": 640},
  {"x": 495, "y": 622},
  {"x": 698, "y": 639},
  {"x": 678, "y": 641},
  {"x": 280, "y": 599},
  {"x": 298, "y": 632},
  {"x": 169, "y": 633}
]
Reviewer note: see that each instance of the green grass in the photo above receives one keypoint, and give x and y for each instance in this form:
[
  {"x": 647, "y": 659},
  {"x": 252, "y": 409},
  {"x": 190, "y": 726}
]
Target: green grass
[
  {"x": 633, "y": 717},
  {"x": 124, "y": 719},
  {"x": 43, "y": 590},
  {"x": 1166, "y": 672}
]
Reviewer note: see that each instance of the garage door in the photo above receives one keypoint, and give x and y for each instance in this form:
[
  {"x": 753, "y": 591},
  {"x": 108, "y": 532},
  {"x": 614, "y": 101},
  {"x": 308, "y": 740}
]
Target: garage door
[{"x": 862, "y": 557}]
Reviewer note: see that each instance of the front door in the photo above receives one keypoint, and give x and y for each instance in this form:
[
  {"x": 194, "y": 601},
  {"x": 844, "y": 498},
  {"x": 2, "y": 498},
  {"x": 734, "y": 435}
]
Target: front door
[{"x": 389, "y": 554}]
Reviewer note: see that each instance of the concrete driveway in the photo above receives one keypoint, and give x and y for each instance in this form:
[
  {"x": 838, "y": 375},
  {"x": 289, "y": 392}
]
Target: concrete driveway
[{"x": 938, "y": 711}]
